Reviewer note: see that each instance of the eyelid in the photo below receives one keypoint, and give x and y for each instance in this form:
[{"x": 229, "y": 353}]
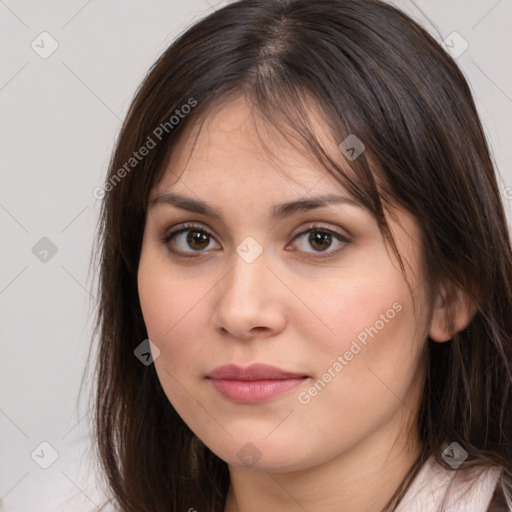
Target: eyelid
[
  {"x": 185, "y": 226},
  {"x": 319, "y": 226}
]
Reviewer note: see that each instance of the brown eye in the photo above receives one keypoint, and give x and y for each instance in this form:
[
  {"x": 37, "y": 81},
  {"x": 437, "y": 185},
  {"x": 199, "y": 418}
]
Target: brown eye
[
  {"x": 197, "y": 240},
  {"x": 190, "y": 240},
  {"x": 320, "y": 239},
  {"x": 187, "y": 240}
]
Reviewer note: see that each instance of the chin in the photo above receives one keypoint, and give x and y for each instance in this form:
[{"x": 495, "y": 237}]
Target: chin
[{"x": 264, "y": 455}]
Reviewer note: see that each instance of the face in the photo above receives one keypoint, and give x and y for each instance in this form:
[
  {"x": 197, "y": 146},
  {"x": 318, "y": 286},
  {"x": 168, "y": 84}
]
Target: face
[{"x": 314, "y": 292}]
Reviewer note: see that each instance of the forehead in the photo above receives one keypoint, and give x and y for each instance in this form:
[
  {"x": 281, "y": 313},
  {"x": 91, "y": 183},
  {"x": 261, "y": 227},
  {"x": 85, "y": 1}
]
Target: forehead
[{"x": 230, "y": 145}]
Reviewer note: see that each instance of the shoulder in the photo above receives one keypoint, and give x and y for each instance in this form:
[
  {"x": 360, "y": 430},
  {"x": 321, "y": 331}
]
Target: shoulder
[{"x": 436, "y": 488}]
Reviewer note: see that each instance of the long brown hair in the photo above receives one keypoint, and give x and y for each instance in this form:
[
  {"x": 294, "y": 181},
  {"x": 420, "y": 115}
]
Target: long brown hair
[{"x": 373, "y": 72}]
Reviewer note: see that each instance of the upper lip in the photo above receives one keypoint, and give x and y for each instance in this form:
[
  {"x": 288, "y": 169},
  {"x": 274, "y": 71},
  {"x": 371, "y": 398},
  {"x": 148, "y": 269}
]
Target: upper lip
[{"x": 255, "y": 371}]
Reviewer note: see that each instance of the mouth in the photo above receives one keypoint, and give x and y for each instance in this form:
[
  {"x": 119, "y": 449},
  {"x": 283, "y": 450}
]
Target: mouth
[{"x": 253, "y": 384}]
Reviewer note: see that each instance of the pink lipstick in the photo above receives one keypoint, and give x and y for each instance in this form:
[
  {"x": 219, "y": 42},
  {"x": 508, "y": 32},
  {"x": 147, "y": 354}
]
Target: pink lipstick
[{"x": 255, "y": 383}]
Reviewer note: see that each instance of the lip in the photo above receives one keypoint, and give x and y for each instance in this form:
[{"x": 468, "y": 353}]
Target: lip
[
  {"x": 255, "y": 383},
  {"x": 255, "y": 371}
]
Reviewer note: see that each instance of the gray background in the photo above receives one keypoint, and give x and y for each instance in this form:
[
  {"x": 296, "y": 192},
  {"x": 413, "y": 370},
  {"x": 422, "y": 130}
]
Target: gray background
[{"x": 60, "y": 116}]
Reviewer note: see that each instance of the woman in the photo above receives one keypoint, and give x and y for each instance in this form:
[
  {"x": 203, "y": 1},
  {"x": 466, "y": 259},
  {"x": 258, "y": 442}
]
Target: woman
[{"x": 305, "y": 281}]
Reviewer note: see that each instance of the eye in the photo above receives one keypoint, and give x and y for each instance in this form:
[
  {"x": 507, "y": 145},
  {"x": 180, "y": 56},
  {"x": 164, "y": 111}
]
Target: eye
[
  {"x": 192, "y": 238},
  {"x": 320, "y": 239},
  {"x": 189, "y": 236}
]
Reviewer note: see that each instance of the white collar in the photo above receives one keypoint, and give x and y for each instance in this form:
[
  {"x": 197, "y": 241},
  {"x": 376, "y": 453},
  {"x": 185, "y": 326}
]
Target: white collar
[{"x": 428, "y": 489}]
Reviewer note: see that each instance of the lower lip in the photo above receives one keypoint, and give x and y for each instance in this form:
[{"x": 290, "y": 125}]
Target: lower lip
[{"x": 243, "y": 391}]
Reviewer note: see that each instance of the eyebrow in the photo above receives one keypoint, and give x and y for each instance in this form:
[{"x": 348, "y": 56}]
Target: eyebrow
[{"x": 278, "y": 212}]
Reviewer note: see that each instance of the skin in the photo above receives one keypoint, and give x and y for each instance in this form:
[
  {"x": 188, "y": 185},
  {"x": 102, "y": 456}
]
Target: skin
[{"x": 351, "y": 445}]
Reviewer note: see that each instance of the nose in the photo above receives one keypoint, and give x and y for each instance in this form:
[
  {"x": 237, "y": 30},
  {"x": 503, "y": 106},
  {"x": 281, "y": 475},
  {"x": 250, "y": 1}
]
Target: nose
[{"x": 248, "y": 302}]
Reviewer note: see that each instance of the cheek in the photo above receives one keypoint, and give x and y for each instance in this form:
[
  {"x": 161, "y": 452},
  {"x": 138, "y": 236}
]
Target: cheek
[
  {"x": 171, "y": 309},
  {"x": 372, "y": 351},
  {"x": 166, "y": 297},
  {"x": 367, "y": 305},
  {"x": 174, "y": 313}
]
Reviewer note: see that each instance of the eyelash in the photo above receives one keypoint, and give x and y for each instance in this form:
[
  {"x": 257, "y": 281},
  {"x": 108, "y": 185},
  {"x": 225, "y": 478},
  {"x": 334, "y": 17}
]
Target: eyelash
[{"x": 310, "y": 227}]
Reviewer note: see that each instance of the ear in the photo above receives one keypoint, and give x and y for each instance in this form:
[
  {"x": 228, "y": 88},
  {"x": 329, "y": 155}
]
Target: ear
[{"x": 452, "y": 312}]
